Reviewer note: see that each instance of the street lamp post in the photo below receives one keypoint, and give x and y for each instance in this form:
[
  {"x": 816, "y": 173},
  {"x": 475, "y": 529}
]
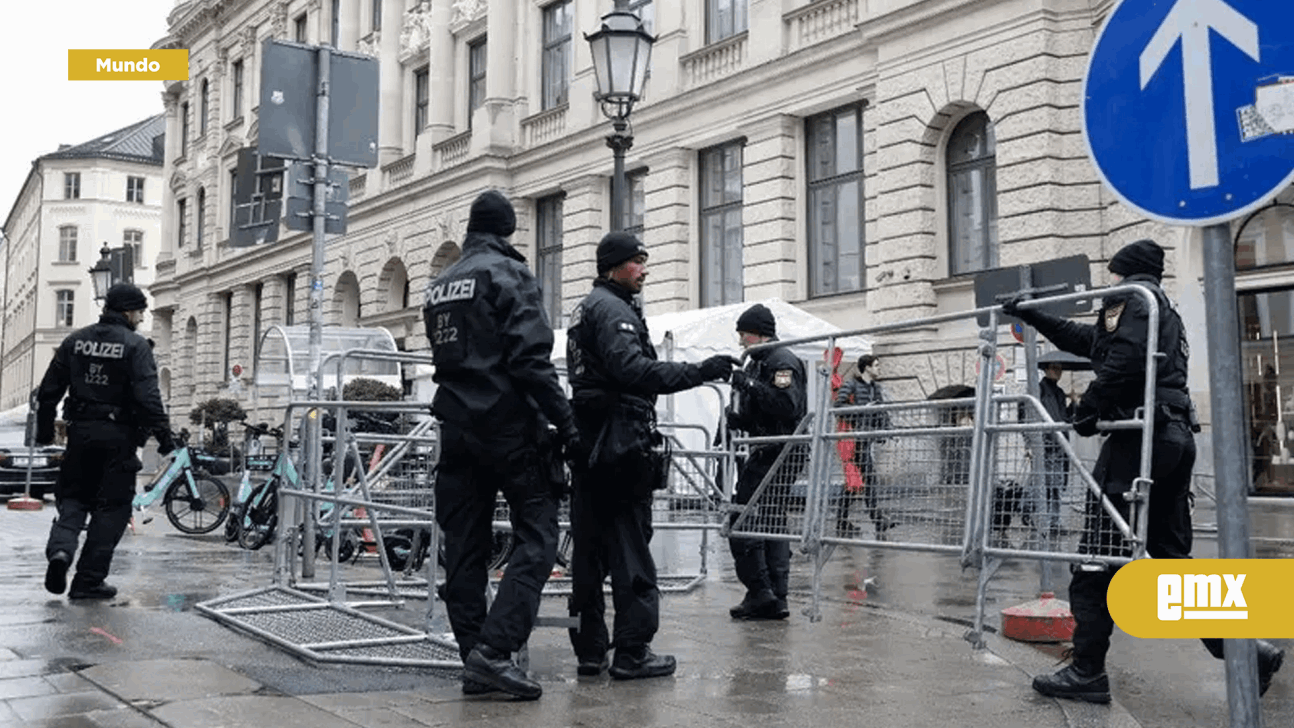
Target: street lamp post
[
  {"x": 621, "y": 56},
  {"x": 101, "y": 274}
]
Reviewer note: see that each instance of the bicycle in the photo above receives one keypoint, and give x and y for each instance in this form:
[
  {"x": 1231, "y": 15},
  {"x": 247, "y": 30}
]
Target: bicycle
[
  {"x": 189, "y": 495},
  {"x": 254, "y": 459}
]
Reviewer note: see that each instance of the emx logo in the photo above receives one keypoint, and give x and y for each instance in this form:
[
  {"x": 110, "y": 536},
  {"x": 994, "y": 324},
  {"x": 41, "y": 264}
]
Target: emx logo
[{"x": 1179, "y": 598}]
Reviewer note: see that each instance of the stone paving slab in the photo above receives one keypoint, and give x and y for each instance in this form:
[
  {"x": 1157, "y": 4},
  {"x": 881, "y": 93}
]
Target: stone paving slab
[{"x": 157, "y": 682}]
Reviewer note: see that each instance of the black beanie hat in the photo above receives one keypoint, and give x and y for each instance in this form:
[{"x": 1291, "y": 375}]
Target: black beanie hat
[
  {"x": 125, "y": 297},
  {"x": 757, "y": 320},
  {"x": 1143, "y": 256},
  {"x": 616, "y": 248},
  {"x": 492, "y": 213}
]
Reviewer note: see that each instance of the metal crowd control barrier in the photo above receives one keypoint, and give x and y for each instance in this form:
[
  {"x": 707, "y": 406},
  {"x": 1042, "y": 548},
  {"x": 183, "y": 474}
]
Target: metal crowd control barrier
[{"x": 951, "y": 475}]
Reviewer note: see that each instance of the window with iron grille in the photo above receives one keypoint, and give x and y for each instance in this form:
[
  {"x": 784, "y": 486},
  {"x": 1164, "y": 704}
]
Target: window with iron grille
[
  {"x": 476, "y": 61},
  {"x": 236, "y": 108},
  {"x": 972, "y": 196},
  {"x": 65, "y": 303},
  {"x": 135, "y": 189},
  {"x": 71, "y": 185},
  {"x": 67, "y": 244},
  {"x": 548, "y": 255},
  {"x": 556, "y": 66},
  {"x": 724, "y": 19},
  {"x": 421, "y": 98},
  {"x": 721, "y": 231},
  {"x": 835, "y": 198}
]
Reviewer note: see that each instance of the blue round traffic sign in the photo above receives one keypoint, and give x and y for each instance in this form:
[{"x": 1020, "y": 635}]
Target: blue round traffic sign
[{"x": 1188, "y": 106}]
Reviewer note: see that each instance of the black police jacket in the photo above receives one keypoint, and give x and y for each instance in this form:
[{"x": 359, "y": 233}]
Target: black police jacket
[
  {"x": 109, "y": 375},
  {"x": 491, "y": 341},
  {"x": 1116, "y": 344},
  {"x": 774, "y": 397}
]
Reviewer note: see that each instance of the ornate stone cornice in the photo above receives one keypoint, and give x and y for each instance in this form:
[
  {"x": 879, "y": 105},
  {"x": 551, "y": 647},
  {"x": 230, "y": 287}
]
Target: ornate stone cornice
[
  {"x": 370, "y": 45},
  {"x": 415, "y": 31},
  {"x": 465, "y": 11}
]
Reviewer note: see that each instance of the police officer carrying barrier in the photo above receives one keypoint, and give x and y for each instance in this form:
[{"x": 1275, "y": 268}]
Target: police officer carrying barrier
[
  {"x": 497, "y": 396},
  {"x": 769, "y": 399},
  {"x": 615, "y": 378},
  {"x": 1117, "y": 347},
  {"x": 113, "y": 405}
]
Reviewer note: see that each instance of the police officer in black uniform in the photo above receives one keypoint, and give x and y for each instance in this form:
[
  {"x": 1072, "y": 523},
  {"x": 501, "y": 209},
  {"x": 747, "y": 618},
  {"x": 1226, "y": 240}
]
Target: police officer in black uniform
[
  {"x": 113, "y": 405},
  {"x": 1117, "y": 347},
  {"x": 769, "y": 400},
  {"x": 615, "y": 378},
  {"x": 496, "y": 398}
]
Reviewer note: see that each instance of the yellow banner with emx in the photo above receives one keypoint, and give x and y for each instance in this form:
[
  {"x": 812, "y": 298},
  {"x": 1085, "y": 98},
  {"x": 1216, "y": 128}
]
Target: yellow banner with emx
[{"x": 1227, "y": 598}]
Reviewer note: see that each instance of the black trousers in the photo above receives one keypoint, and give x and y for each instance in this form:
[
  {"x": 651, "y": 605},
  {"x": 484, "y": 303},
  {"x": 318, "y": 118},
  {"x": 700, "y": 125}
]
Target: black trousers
[
  {"x": 764, "y": 565},
  {"x": 611, "y": 533},
  {"x": 96, "y": 483},
  {"x": 1168, "y": 529},
  {"x": 474, "y": 467},
  {"x": 867, "y": 467}
]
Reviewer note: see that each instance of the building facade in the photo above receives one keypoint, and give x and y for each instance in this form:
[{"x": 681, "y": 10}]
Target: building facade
[
  {"x": 860, "y": 159},
  {"x": 75, "y": 201}
]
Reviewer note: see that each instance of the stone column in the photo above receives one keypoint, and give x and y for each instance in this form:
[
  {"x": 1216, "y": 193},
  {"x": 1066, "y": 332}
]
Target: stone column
[
  {"x": 440, "y": 82},
  {"x": 347, "y": 25},
  {"x": 768, "y": 212},
  {"x": 669, "y": 198},
  {"x": 584, "y": 222},
  {"x": 500, "y": 81},
  {"x": 764, "y": 21},
  {"x": 166, "y": 247},
  {"x": 391, "y": 91}
]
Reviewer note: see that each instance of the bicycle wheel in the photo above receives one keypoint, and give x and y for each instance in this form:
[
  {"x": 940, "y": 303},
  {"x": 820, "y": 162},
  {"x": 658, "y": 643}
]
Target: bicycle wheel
[
  {"x": 565, "y": 546},
  {"x": 233, "y": 524},
  {"x": 200, "y": 510},
  {"x": 261, "y": 516}
]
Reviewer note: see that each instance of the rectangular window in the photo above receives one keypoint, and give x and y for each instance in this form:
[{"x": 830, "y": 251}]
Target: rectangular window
[
  {"x": 134, "y": 240},
  {"x": 229, "y": 332},
  {"x": 835, "y": 197},
  {"x": 236, "y": 108},
  {"x": 421, "y": 98},
  {"x": 289, "y": 298},
  {"x": 233, "y": 201},
  {"x": 548, "y": 255},
  {"x": 299, "y": 28},
  {"x": 200, "y": 223},
  {"x": 645, "y": 10},
  {"x": 258, "y": 295},
  {"x": 475, "y": 77},
  {"x": 135, "y": 189},
  {"x": 556, "y": 66},
  {"x": 724, "y": 19},
  {"x": 71, "y": 185},
  {"x": 122, "y": 262},
  {"x": 184, "y": 128},
  {"x": 634, "y": 211},
  {"x": 64, "y": 308},
  {"x": 721, "y": 233},
  {"x": 67, "y": 244},
  {"x": 180, "y": 206}
]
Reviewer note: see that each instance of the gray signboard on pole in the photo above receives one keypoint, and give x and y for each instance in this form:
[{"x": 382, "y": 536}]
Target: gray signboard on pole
[
  {"x": 1049, "y": 278},
  {"x": 289, "y": 98}
]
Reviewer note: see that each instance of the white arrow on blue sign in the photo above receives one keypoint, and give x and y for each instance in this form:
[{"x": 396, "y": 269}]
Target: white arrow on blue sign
[{"x": 1188, "y": 106}]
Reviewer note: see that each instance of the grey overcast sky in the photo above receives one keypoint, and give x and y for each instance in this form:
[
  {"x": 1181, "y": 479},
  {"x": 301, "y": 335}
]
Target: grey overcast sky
[{"x": 42, "y": 108}]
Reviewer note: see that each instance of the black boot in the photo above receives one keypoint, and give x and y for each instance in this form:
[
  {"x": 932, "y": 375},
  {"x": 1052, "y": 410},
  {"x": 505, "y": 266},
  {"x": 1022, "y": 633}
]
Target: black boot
[
  {"x": 1075, "y": 684},
  {"x": 495, "y": 668},
  {"x": 1270, "y": 658},
  {"x": 756, "y": 605},
  {"x": 56, "y": 572},
  {"x": 102, "y": 590},
  {"x": 593, "y": 666},
  {"x": 640, "y": 662}
]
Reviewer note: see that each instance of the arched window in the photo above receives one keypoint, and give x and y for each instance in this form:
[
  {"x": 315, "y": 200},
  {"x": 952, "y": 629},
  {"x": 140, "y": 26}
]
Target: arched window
[
  {"x": 972, "y": 195},
  {"x": 348, "y": 300}
]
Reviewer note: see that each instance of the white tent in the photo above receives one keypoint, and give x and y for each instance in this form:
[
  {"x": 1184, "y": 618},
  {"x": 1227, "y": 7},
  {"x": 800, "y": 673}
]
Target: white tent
[{"x": 694, "y": 335}]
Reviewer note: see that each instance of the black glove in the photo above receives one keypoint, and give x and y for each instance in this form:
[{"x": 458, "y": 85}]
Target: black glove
[
  {"x": 1012, "y": 307},
  {"x": 732, "y": 420},
  {"x": 165, "y": 443},
  {"x": 1085, "y": 423},
  {"x": 574, "y": 450},
  {"x": 717, "y": 367},
  {"x": 740, "y": 379}
]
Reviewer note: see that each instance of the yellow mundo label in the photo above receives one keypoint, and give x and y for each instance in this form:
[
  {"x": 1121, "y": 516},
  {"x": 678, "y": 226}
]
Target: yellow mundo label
[
  {"x": 1181, "y": 598},
  {"x": 128, "y": 65}
]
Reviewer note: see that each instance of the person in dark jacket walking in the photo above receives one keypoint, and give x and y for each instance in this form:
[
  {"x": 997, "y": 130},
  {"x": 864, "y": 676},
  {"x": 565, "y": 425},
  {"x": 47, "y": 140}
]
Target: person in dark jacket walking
[
  {"x": 864, "y": 389},
  {"x": 497, "y": 396},
  {"x": 1055, "y": 464},
  {"x": 769, "y": 399},
  {"x": 113, "y": 405},
  {"x": 1117, "y": 347},
  {"x": 615, "y": 379}
]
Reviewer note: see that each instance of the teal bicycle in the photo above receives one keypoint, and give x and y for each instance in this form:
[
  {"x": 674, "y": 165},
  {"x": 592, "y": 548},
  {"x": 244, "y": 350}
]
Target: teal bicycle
[{"x": 194, "y": 502}]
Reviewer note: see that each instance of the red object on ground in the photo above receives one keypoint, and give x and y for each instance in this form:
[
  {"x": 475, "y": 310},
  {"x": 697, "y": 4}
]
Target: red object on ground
[
  {"x": 1046, "y": 619},
  {"x": 23, "y": 503}
]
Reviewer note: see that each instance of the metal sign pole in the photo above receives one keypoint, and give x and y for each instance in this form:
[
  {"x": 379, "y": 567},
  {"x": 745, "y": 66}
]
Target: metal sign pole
[
  {"x": 1230, "y": 472},
  {"x": 316, "y": 305}
]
